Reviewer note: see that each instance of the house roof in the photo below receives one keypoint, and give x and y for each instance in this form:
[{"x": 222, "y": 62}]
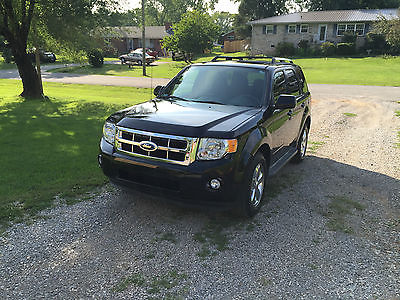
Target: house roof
[
  {"x": 135, "y": 32},
  {"x": 330, "y": 16}
]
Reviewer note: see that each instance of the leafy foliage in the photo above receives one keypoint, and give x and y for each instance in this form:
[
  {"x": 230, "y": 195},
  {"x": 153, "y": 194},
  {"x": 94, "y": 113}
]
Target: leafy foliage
[
  {"x": 285, "y": 49},
  {"x": 390, "y": 29},
  {"x": 257, "y": 9},
  {"x": 192, "y": 35},
  {"x": 96, "y": 58},
  {"x": 328, "y": 48},
  {"x": 345, "y": 48}
]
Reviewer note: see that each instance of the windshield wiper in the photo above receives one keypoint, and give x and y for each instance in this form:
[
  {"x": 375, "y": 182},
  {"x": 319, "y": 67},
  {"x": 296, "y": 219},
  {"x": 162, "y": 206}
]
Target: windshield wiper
[
  {"x": 173, "y": 97},
  {"x": 210, "y": 102}
]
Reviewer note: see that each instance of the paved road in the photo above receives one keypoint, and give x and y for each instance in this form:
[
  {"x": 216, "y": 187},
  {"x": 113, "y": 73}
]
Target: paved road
[{"x": 88, "y": 79}]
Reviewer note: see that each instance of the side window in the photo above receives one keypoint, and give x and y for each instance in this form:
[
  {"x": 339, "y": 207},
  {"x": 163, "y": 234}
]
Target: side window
[
  {"x": 302, "y": 80},
  {"x": 278, "y": 84},
  {"x": 292, "y": 83}
]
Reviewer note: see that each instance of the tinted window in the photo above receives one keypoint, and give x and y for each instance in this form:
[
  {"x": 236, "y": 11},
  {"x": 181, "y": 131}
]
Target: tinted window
[
  {"x": 221, "y": 84},
  {"x": 278, "y": 84},
  {"x": 292, "y": 83},
  {"x": 302, "y": 80}
]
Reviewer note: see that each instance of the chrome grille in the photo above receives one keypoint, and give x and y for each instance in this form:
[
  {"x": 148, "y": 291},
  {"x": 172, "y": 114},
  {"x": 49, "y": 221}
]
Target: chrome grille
[{"x": 170, "y": 148}]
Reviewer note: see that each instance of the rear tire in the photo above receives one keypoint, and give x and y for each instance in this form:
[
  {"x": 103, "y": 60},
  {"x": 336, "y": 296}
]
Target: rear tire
[
  {"x": 301, "y": 146},
  {"x": 252, "y": 196},
  {"x": 140, "y": 62}
]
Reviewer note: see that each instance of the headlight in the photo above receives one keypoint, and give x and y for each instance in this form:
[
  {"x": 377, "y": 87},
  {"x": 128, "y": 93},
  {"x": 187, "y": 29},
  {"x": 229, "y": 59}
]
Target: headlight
[
  {"x": 109, "y": 132},
  {"x": 211, "y": 148}
]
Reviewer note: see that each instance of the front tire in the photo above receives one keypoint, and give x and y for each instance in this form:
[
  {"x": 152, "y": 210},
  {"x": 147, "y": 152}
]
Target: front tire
[{"x": 252, "y": 197}]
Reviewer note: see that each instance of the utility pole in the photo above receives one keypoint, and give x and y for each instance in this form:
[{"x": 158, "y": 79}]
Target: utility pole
[{"x": 143, "y": 42}]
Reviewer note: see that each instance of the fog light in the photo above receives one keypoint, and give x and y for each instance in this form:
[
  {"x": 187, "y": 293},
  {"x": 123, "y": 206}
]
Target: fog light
[{"x": 215, "y": 184}]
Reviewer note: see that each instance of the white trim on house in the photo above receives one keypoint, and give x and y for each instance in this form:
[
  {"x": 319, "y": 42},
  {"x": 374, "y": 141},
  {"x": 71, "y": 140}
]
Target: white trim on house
[
  {"x": 304, "y": 28},
  {"x": 289, "y": 31},
  {"x": 319, "y": 32},
  {"x": 356, "y": 28}
]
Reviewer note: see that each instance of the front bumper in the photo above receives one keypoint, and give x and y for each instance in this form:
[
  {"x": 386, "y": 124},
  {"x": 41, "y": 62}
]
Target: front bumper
[{"x": 186, "y": 184}]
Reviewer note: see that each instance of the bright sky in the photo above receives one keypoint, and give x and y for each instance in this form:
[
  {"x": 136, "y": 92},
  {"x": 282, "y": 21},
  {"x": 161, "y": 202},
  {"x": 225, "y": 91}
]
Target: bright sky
[{"x": 222, "y": 5}]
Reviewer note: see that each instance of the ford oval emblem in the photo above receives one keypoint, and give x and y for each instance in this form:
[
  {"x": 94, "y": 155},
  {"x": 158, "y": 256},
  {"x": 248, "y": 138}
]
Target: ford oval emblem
[{"x": 148, "y": 146}]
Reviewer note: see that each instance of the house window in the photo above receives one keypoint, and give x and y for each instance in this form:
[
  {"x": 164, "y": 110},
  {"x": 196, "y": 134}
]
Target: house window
[
  {"x": 358, "y": 29},
  {"x": 304, "y": 28},
  {"x": 292, "y": 28},
  {"x": 269, "y": 29},
  {"x": 231, "y": 37}
]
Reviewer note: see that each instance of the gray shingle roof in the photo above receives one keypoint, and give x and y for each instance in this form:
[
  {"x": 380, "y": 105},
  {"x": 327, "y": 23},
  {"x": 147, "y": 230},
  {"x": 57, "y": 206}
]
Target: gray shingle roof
[
  {"x": 135, "y": 32},
  {"x": 330, "y": 16}
]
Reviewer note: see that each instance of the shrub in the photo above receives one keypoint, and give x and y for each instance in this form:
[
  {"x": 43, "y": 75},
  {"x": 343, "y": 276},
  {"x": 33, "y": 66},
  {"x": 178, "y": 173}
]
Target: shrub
[
  {"x": 349, "y": 37},
  {"x": 328, "y": 49},
  {"x": 96, "y": 58},
  {"x": 376, "y": 42},
  {"x": 285, "y": 49},
  {"x": 303, "y": 44},
  {"x": 346, "y": 48}
]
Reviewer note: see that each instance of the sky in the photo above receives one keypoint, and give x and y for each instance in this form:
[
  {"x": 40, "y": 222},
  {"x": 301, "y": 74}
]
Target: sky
[{"x": 222, "y": 5}]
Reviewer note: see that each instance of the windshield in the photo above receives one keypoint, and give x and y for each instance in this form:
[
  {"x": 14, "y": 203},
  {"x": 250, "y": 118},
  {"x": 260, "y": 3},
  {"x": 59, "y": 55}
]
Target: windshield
[{"x": 220, "y": 85}]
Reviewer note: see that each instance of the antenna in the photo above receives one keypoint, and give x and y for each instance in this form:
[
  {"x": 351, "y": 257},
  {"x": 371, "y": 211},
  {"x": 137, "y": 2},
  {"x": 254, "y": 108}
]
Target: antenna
[{"x": 151, "y": 82}]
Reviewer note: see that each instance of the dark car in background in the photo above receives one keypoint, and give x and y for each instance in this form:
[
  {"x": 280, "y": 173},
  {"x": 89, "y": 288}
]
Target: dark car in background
[
  {"x": 213, "y": 134},
  {"x": 136, "y": 58},
  {"x": 45, "y": 56}
]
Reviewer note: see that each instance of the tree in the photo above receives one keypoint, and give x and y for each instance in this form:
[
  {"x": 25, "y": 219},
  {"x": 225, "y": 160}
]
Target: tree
[
  {"x": 192, "y": 35},
  {"x": 250, "y": 10},
  {"x": 224, "y": 21},
  {"x": 390, "y": 29},
  {"x": 41, "y": 23},
  {"x": 160, "y": 12}
]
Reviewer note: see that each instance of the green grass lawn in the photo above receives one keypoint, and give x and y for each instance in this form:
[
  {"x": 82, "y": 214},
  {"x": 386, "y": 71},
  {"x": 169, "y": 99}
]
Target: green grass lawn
[
  {"x": 357, "y": 71},
  {"x": 50, "y": 147}
]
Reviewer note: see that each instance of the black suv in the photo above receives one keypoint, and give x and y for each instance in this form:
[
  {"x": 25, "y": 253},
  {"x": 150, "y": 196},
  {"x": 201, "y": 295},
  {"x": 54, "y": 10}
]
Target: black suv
[{"x": 213, "y": 134}]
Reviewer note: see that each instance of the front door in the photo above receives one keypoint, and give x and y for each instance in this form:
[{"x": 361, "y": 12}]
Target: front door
[{"x": 322, "y": 33}]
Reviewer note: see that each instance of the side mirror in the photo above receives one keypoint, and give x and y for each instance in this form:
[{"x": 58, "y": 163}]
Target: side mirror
[
  {"x": 285, "y": 102},
  {"x": 157, "y": 90}
]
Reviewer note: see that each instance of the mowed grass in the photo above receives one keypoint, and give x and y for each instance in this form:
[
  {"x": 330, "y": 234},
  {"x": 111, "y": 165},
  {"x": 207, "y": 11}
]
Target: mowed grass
[
  {"x": 358, "y": 71},
  {"x": 50, "y": 147},
  {"x": 353, "y": 71}
]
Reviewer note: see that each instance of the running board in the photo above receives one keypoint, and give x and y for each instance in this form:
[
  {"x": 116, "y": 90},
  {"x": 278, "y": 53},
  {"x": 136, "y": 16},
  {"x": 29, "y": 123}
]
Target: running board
[{"x": 282, "y": 161}]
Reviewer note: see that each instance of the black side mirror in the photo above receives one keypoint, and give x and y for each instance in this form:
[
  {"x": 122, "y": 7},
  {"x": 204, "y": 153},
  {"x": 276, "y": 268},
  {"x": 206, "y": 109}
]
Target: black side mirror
[
  {"x": 157, "y": 90},
  {"x": 285, "y": 102}
]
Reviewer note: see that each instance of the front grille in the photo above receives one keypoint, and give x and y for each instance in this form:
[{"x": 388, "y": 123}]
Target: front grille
[{"x": 173, "y": 149}]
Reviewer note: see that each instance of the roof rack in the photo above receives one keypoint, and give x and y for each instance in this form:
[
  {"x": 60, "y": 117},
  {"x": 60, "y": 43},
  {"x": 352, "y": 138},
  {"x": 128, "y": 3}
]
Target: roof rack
[{"x": 273, "y": 61}]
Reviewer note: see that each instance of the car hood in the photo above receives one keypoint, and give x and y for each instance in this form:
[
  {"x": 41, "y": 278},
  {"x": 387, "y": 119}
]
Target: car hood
[{"x": 185, "y": 118}]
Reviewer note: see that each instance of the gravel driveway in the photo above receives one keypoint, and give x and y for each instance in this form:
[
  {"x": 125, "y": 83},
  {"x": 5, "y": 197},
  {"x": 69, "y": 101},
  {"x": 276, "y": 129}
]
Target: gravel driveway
[{"x": 330, "y": 228}]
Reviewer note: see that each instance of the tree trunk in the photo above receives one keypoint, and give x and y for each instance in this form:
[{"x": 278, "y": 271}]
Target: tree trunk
[{"x": 30, "y": 79}]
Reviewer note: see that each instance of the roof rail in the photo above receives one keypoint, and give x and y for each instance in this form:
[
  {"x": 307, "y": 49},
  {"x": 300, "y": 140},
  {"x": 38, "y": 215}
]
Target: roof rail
[{"x": 242, "y": 58}]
